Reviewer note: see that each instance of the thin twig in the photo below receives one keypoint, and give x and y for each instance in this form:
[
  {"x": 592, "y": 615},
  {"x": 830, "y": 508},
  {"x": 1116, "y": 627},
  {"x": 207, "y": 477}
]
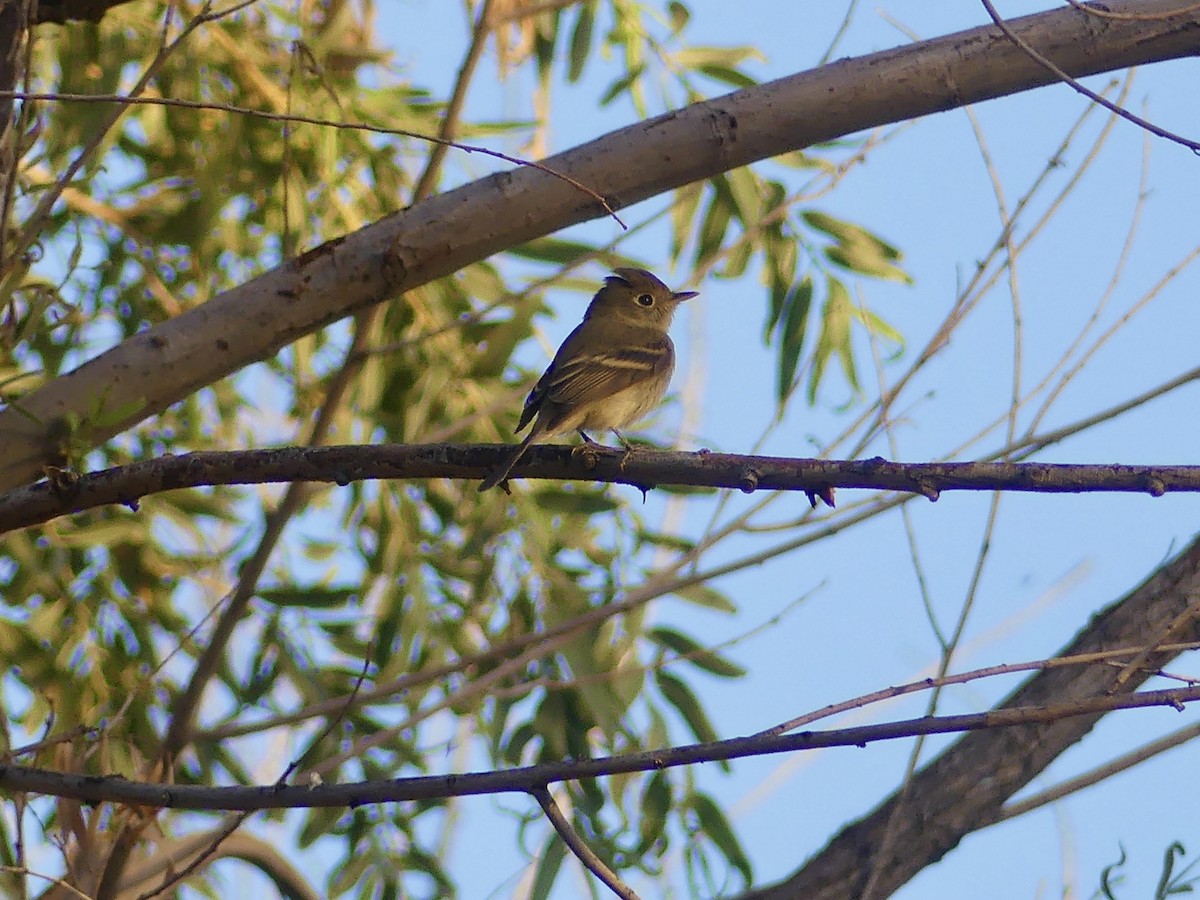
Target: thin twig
[
  {"x": 579, "y": 847},
  {"x": 155, "y": 795},
  {"x": 326, "y": 123},
  {"x": 1100, "y": 773},
  {"x": 1058, "y": 73}
]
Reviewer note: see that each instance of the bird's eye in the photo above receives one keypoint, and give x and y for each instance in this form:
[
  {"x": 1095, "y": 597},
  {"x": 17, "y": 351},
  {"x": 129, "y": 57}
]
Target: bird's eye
[{"x": 644, "y": 300}]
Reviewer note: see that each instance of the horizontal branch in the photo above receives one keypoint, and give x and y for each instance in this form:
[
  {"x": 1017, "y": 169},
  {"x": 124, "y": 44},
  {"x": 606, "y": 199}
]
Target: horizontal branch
[
  {"x": 115, "y": 789},
  {"x": 154, "y": 369},
  {"x": 643, "y": 468}
]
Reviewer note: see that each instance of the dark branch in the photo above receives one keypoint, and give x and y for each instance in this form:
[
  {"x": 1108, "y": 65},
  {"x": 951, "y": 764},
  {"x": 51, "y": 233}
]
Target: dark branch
[
  {"x": 441, "y": 235},
  {"x": 579, "y": 847},
  {"x": 967, "y": 786},
  {"x": 115, "y": 789},
  {"x": 126, "y": 485}
]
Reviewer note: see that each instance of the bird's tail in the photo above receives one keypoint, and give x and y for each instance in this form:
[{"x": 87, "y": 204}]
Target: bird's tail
[{"x": 505, "y": 467}]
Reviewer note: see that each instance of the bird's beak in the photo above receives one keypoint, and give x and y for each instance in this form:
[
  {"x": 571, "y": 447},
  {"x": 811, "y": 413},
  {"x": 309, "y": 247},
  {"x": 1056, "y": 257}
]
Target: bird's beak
[{"x": 684, "y": 295}]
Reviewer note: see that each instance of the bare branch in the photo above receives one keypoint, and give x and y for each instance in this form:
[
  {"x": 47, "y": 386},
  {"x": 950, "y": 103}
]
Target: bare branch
[
  {"x": 642, "y": 468},
  {"x": 1062, "y": 76},
  {"x": 579, "y": 847},
  {"x": 439, "y": 236},
  {"x": 115, "y": 789},
  {"x": 948, "y": 799}
]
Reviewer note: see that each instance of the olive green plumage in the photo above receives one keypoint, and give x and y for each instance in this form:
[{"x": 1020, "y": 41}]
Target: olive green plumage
[{"x": 612, "y": 370}]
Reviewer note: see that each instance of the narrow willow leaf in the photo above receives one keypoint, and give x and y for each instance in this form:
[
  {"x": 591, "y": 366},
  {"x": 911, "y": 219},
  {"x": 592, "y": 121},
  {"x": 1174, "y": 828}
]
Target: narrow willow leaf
[
  {"x": 835, "y": 337},
  {"x": 746, "y": 192},
  {"x": 728, "y": 75},
  {"x": 791, "y": 339},
  {"x": 696, "y": 57},
  {"x": 655, "y": 806},
  {"x": 621, "y": 85},
  {"x": 683, "y": 217},
  {"x": 863, "y": 259},
  {"x": 715, "y": 825},
  {"x": 553, "y": 250},
  {"x": 709, "y": 598},
  {"x": 680, "y": 696},
  {"x": 550, "y": 860},
  {"x": 694, "y": 652},
  {"x": 738, "y": 260},
  {"x": 716, "y": 223},
  {"x": 581, "y": 40},
  {"x": 580, "y": 502},
  {"x": 881, "y": 328},
  {"x": 781, "y": 262},
  {"x": 849, "y": 233}
]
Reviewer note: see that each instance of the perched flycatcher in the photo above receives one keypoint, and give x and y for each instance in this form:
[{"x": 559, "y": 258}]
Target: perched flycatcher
[{"x": 610, "y": 371}]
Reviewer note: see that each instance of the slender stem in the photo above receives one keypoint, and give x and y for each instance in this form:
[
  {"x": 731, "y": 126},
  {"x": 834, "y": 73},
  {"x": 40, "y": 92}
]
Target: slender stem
[{"x": 579, "y": 847}]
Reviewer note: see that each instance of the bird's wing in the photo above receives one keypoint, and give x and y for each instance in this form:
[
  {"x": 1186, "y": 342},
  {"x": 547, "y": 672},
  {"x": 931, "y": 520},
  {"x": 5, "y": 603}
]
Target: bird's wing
[{"x": 583, "y": 380}]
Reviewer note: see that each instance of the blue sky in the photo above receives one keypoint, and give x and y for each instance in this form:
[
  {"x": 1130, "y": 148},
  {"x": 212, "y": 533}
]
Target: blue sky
[{"x": 1054, "y": 559}]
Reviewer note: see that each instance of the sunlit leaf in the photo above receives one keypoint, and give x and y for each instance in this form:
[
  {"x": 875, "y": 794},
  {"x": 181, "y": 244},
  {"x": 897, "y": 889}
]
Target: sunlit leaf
[{"x": 706, "y": 596}]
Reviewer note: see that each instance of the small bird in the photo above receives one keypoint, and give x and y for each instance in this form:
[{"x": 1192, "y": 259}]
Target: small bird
[{"x": 610, "y": 371}]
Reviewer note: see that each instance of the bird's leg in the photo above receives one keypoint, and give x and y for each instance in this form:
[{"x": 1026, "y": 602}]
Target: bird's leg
[
  {"x": 628, "y": 451},
  {"x": 588, "y": 450}
]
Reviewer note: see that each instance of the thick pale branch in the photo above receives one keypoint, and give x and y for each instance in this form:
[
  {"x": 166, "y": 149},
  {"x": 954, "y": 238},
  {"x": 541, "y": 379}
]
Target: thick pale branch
[
  {"x": 643, "y": 468},
  {"x": 147, "y": 373},
  {"x": 99, "y": 789}
]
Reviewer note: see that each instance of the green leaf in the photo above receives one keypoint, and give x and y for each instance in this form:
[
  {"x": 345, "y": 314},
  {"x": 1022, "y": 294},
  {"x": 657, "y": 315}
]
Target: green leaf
[
  {"x": 781, "y": 259},
  {"x": 680, "y": 696},
  {"x": 858, "y": 250},
  {"x": 715, "y": 824},
  {"x": 880, "y": 327},
  {"x": 550, "y": 860},
  {"x": 738, "y": 260},
  {"x": 663, "y": 539},
  {"x": 588, "y": 503},
  {"x": 683, "y": 217},
  {"x": 746, "y": 194},
  {"x": 622, "y": 84},
  {"x": 1107, "y": 881},
  {"x": 715, "y": 223},
  {"x": 693, "y": 651},
  {"x": 848, "y": 233},
  {"x": 655, "y": 805},
  {"x": 728, "y": 57},
  {"x": 685, "y": 489},
  {"x": 863, "y": 259},
  {"x": 708, "y": 597},
  {"x": 797, "y": 304},
  {"x": 309, "y": 598},
  {"x": 581, "y": 40},
  {"x": 553, "y": 250},
  {"x": 835, "y": 337},
  {"x": 728, "y": 75}
]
